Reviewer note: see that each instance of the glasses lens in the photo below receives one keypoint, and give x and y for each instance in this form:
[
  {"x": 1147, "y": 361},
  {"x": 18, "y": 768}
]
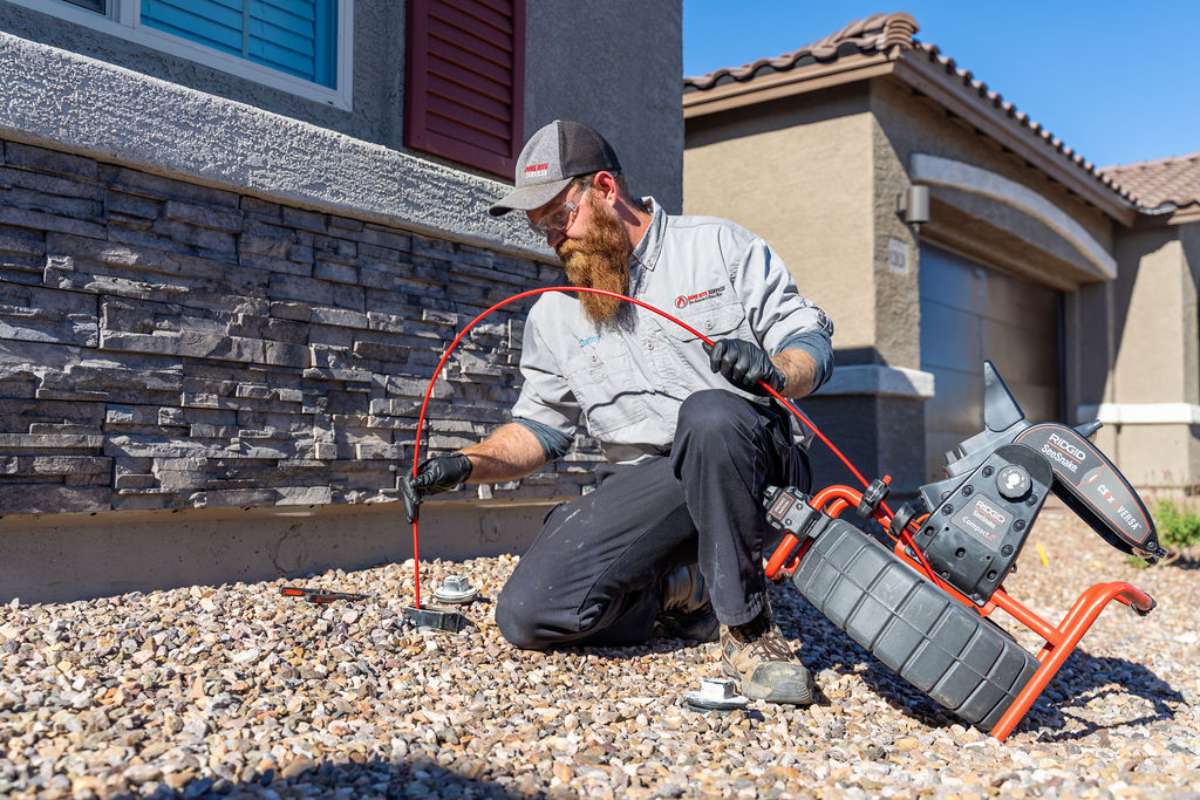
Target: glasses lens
[{"x": 555, "y": 222}]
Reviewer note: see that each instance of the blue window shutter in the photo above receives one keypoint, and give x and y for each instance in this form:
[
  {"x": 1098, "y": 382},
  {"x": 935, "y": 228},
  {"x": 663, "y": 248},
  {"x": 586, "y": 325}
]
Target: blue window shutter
[{"x": 298, "y": 37}]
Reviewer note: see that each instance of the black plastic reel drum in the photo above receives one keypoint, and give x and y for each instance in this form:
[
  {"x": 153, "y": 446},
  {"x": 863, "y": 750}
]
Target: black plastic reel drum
[{"x": 962, "y": 661}]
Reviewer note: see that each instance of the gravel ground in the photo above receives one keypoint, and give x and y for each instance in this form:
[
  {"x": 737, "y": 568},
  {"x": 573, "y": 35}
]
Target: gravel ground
[{"x": 238, "y": 690}]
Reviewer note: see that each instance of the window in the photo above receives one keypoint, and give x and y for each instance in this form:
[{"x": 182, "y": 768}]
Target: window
[
  {"x": 299, "y": 46},
  {"x": 99, "y": 6},
  {"x": 466, "y": 81}
]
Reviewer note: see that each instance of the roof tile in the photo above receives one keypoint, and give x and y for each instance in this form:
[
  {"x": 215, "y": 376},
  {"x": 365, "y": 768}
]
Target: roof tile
[
  {"x": 881, "y": 33},
  {"x": 876, "y": 33},
  {"x": 1165, "y": 180}
]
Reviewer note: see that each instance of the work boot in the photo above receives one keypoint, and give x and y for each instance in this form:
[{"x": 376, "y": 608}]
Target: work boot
[
  {"x": 686, "y": 612},
  {"x": 758, "y": 657}
]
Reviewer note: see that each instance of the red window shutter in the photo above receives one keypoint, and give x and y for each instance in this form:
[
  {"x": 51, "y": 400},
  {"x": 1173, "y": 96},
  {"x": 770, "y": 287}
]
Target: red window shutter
[{"x": 466, "y": 81}]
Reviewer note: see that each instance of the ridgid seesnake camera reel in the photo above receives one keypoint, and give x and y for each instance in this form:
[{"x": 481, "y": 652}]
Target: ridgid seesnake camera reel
[{"x": 923, "y": 607}]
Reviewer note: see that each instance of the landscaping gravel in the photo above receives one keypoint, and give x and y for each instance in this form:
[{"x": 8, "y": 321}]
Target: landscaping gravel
[{"x": 238, "y": 691}]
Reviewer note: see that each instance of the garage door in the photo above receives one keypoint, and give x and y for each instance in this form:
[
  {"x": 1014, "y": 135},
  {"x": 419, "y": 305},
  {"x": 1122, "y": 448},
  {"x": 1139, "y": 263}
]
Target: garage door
[{"x": 970, "y": 312}]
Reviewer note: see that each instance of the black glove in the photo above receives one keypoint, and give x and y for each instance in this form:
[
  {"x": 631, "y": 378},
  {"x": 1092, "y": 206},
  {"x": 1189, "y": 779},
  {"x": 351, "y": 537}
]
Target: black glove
[
  {"x": 744, "y": 364},
  {"x": 437, "y": 474}
]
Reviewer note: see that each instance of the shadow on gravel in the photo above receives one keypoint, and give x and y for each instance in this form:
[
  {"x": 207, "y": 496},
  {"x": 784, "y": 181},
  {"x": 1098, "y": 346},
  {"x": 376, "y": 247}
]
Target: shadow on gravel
[
  {"x": 1083, "y": 678},
  {"x": 374, "y": 778}
]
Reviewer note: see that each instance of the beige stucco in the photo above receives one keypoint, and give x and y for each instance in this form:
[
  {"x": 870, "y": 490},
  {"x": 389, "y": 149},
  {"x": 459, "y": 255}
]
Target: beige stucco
[
  {"x": 1154, "y": 339},
  {"x": 798, "y": 173},
  {"x": 818, "y": 175},
  {"x": 1156, "y": 456},
  {"x": 918, "y": 126},
  {"x": 897, "y": 295},
  {"x": 1149, "y": 364}
]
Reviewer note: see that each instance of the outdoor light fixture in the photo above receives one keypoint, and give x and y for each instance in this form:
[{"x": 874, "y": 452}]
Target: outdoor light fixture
[{"x": 913, "y": 206}]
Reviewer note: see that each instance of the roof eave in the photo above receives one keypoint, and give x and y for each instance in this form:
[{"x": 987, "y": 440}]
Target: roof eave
[
  {"x": 1185, "y": 214},
  {"x": 915, "y": 69},
  {"x": 846, "y": 69}
]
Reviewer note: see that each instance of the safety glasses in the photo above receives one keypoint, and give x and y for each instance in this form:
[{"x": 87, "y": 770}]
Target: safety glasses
[{"x": 561, "y": 218}]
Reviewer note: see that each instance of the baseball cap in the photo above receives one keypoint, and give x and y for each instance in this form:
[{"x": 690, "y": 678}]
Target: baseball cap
[{"x": 552, "y": 157}]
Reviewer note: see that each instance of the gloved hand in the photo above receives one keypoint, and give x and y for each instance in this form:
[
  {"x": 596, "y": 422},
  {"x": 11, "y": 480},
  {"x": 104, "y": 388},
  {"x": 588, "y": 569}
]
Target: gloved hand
[
  {"x": 434, "y": 475},
  {"x": 744, "y": 364}
]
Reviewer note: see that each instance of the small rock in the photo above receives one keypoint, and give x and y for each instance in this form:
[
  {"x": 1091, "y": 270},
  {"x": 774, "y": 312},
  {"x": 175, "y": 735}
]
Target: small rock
[
  {"x": 296, "y": 768},
  {"x": 142, "y": 773}
]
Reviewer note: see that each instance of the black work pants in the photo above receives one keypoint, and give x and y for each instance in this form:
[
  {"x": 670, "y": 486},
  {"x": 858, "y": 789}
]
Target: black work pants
[{"x": 592, "y": 575}]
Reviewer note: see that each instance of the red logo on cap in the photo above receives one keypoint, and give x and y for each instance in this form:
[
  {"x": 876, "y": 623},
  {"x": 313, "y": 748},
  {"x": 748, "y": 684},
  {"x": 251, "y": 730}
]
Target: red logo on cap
[{"x": 543, "y": 167}]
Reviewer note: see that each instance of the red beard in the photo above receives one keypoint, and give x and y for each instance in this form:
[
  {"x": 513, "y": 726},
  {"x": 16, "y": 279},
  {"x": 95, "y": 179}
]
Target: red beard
[{"x": 599, "y": 260}]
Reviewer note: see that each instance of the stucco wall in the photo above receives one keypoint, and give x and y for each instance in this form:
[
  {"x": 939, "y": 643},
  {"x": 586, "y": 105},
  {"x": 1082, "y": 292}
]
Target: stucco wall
[
  {"x": 615, "y": 65},
  {"x": 378, "y": 69},
  {"x": 897, "y": 295},
  {"x": 619, "y": 73},
  {"x": 798, "y": 172},
  {"x": 914, "y": 126},
  {"x": 1149, "y": 303},
  {"x": 1155, "y": 339}
]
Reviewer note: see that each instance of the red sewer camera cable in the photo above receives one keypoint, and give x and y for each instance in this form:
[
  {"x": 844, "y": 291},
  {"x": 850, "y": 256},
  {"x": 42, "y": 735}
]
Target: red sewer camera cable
[{"x": 575, "y": 289}]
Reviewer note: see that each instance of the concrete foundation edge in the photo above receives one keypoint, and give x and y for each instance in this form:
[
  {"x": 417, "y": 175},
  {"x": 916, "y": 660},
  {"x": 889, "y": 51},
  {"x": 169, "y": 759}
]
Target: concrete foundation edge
[{"x": 66, "y": 557}]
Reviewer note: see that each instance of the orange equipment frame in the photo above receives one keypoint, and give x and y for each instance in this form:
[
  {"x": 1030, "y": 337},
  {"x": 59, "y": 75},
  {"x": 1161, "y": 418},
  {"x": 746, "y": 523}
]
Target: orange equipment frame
[{"x": 1060, "y": 640}]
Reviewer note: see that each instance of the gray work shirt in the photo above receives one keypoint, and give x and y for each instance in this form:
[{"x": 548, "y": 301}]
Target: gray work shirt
[{"x": 628, "y": 379}]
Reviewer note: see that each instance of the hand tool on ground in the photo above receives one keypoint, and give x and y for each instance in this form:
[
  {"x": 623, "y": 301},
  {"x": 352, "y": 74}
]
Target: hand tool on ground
[
  {"x": 319, "y": 596},
  {"x": 923, "y": 608}
]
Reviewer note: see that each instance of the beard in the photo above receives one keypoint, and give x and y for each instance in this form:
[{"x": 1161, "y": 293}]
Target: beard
[{"x": 599, "y": 260}]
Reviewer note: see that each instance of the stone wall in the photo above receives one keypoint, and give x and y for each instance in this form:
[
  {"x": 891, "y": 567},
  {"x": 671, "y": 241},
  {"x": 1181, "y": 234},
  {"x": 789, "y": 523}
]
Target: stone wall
[{"x": 169, "y": 345}]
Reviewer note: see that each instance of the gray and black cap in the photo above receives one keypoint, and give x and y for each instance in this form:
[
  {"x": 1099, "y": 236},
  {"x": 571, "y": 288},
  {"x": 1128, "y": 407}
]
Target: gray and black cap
[{"x": 552, "y": 157}]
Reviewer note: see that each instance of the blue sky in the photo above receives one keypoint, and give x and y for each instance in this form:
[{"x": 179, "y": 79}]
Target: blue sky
[{"x": 1117, "y": 81}]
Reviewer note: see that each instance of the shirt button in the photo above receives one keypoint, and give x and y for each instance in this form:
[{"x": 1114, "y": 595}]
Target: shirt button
[
  {"x": 649, "y": 345},
  {"x": 594, "y": 358},
  {"x": 708, "y": 325}
]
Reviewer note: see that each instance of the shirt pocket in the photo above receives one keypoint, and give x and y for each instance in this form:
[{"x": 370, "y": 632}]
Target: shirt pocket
[
  {"x": 601, "y": 377},
  {"x": 712, "y": 320}
]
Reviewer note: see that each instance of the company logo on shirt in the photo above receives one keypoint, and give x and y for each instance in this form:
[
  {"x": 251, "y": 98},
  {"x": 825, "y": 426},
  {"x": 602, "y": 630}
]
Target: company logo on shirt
[
  {"x": 589, "y": 340},
  {"x": 685, "y": 300}
]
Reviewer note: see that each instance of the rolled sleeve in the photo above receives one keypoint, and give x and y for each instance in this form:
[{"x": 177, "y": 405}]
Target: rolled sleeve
[
  {"x": 545, "y": 399},
  {"x": 778, "y": 314}
]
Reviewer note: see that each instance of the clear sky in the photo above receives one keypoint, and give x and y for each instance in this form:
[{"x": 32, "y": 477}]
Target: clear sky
[{"x": 1117, "y": 81}]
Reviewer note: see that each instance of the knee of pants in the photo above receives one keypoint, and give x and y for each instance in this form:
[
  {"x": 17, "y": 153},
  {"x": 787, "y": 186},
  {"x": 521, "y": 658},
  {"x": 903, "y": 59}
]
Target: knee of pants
[
  {"x": 516, "y": 622},
  {"x": 709, "y": 411}
]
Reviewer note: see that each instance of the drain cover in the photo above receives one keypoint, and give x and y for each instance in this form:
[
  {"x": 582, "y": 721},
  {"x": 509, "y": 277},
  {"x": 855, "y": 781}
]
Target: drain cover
[{"x": 456, "y": 590}]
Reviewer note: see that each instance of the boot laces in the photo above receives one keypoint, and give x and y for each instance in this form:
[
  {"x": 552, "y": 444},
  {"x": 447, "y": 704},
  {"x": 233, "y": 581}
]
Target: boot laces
[{"x": 763, "y": 639}]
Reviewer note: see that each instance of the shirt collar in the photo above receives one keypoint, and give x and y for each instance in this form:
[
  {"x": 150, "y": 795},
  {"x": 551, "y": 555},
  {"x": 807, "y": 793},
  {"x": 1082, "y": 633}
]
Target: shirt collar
[{"x": 647, "y": 250}]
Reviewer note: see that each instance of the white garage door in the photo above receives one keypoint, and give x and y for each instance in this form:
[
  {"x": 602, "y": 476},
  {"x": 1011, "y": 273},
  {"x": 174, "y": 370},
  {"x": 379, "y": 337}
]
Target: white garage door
[{"x": 970, "y": 312}]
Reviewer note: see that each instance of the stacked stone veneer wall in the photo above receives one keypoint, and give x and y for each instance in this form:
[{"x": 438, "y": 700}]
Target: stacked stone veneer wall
[{"x": 169, "y": 345}]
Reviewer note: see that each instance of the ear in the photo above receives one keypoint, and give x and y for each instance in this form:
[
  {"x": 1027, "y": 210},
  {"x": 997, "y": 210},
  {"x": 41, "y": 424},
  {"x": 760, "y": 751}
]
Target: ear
[{"x": 606, "y": 184}]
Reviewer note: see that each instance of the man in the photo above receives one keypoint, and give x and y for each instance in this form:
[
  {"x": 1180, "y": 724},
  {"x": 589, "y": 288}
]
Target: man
[{"x": 672, "y": 538}]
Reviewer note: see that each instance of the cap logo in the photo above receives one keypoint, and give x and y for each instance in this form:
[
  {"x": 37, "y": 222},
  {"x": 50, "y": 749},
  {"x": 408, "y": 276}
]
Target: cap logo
[{"x": 538, "y": 169}]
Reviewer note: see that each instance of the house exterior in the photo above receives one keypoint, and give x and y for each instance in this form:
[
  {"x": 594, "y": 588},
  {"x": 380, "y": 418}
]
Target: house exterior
[
  {"x": 234, "y": 241},
  {"x": 1079, "y": 283}
]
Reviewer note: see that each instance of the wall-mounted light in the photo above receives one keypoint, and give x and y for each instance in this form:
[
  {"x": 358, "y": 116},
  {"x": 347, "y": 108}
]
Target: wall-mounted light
[{"x": 913, "y": 206}]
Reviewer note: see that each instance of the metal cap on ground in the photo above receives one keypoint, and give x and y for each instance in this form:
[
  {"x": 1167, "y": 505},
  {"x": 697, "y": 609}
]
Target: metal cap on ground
[
  {"x": 456, "y": 590},
  {"x": 716, "y": 694}
]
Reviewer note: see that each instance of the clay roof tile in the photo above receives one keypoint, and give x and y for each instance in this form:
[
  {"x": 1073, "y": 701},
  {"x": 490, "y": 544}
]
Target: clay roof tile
[
  {"x": 1165, "y": 180},
  {"x": 893, "y": 34}
]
